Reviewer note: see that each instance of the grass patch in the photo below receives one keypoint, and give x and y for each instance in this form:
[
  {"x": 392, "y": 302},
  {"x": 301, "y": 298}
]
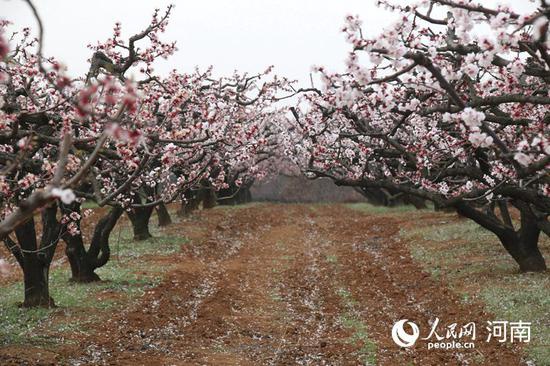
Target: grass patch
[
  {"x": 350, "y": 319},
  {"x": 89, "y": 204},
  {"x": 371, "y": 209},
  {"x": 275, "y": 295},
  {"x": 525, "y": 297},
  {"x": 123, "y": 245},
  {"x": 367, "y": 352},
  {"x": 17, "y": 325},
  {"x": 236, "y": 207},
  {"x": 476, "y": 266},
  {"x": 125, "y": 277},
  {"x": 332, "y": 258}
]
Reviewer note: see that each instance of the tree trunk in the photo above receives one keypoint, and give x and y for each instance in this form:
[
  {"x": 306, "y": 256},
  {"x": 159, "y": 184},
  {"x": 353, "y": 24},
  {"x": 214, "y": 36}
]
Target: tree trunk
[
  {"x": 35, "y": 259},
  {"x": 248, "y": 195},
  {"x": 81, "y": 267},
  {"x": 84, "y": 262},
  {"x": 36, "y": 277},
  {"x": 182, "y": 212},
  {"x": 525, "y": 252},
  {"x": 139, "y": 217},
  {"x": 241, "y": 195},
  {"x": 209, "y": 198},
  {"x": 226, "y": 196},
  {"x": 163, "y": 215},
  {"x": 521, "y": 244},
  {"x": 189, "y": 203},
  {"x": 194, "y": 202},
  {"x": 374, "y": 196},
  {"x": 417, "y": 202},
  {"x": 229, "y": 196}
]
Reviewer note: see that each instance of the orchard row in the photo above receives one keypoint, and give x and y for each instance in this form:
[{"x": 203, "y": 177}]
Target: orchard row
[{"x": 448, "y": 106}]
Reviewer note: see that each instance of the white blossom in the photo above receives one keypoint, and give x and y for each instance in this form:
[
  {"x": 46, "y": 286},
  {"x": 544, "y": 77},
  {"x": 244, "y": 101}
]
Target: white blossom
[
  {"x": 66, "y": 196},
  {"x": 472, "y": 118},
  {"x": 480, "y": 139},
  {"x": 522, "y": 158}
]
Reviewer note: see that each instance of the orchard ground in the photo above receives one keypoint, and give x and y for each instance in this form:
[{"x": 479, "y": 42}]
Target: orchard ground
[{"x": 274, "y": 284}]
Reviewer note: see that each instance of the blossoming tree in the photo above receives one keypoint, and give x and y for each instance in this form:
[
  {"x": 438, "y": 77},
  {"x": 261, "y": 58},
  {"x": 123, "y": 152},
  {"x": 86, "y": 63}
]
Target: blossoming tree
[
  {"x": 129, "y": 143},
  {"x": 450, "y": 104},
  {"x": 39, "y": 157}
]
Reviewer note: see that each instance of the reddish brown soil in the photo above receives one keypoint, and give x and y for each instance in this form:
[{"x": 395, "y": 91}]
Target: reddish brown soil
[{"x": 270, "y": 285}]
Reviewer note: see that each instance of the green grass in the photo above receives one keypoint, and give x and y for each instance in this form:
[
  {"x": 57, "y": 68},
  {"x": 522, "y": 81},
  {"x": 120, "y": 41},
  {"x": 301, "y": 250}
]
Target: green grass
[
  {"x": 463, "y": 253},
  {"x": 350, "y": 320},
  {"x": 17, "y": 325},
  {"x": 236, "y": 207},
  {"x": 275, "y": 295},
  {"x": 89, "y": 204},
  {"x": 123, "y": 245},
  {"x": 368, "y": 208},
  {"x": 446, "y": 230},
  {"x": 331, "y": 258},
  {"x": 24, "y": 326},
  {"x": 526, "y": 298}
]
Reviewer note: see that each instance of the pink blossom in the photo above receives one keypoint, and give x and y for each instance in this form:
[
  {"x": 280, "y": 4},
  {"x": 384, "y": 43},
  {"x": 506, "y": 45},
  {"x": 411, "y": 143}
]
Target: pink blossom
[{"x": 72, "y": 228}]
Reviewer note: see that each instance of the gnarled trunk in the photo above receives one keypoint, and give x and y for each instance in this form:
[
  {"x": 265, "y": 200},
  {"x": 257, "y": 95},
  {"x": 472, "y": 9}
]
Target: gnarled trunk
[
  {"x": 525, "y": 252},
  {"x": 391, "y": 198},
  {"x": 82, "y": 269},
  {"x": 228, "y": 196},
  {"x": 208, "y": 198},
  {"x": 184, "y": 210},
  {"x": 163, "y": 215},
  {"x": 248, "y": 195},
  {"x": 84, "y": 262},
  {"x": 521, "y": 244},
  {"x": 234, "y": 195},
  {"x": 36, "y": 279},
  {"x": 35, "y": 259},
  {"x": 189, "y": 203},
  {"x": 139, "y": 217},
  {"x": 417, "y": 202}
]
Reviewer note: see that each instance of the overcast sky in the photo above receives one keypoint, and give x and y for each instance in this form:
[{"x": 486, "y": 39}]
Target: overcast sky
[{"x": 247, "y": 35}]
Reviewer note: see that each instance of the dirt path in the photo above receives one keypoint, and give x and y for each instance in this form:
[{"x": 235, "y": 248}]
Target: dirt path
[{"x": 287, "y": 285}]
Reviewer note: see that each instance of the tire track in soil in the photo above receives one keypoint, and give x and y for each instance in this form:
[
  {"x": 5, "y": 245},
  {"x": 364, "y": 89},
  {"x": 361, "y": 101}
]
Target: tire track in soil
[
  {"x": 255, "y": 287},
  {"x": 390, "y": 286}
]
